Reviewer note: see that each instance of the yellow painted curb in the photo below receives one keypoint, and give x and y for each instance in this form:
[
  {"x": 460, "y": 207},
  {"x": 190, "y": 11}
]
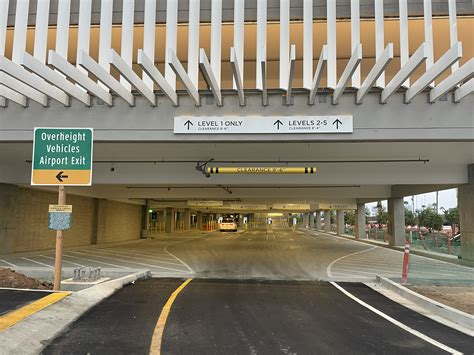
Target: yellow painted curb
[
  {"x": 13, "y": 317},
  {"x": 155, "y": 348}
]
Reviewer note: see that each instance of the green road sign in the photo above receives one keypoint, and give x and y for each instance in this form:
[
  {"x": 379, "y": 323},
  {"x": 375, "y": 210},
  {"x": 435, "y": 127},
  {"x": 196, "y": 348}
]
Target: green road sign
[{"x": 62, "y": 156}]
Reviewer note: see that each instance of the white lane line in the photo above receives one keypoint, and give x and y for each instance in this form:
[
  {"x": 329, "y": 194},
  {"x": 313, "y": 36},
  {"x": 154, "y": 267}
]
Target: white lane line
[
  {"x": 96, "y": 261},
  {"x": 174, "y": 256},
  {"x": 37, "y": 262},
  {"x": 129, "y": 251},
  {"x": 147, "y": 251},
  {"x": 8, "y": 263},
  {"x": 396, "y": 322},
  {"x": 129, "y": 262},
  {"x": 328, "y": 270},
  {"x": 66, "y": 261},
  {"x": 137, "y": 256}
]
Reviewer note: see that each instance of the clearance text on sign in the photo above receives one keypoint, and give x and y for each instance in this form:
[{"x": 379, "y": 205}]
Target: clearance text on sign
[
  {"x": 263, "y": 124},
  {"x": 261, "y": 170},
  {"x": 62, "y": 156}
]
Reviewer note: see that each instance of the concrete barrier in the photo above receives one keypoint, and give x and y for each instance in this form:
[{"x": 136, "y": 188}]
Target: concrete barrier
[{"x": 438, "y": 309}]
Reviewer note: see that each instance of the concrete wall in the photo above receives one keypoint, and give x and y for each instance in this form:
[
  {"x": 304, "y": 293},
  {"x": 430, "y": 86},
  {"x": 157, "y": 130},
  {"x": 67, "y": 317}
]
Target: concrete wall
[
  {"x": 31, "y": 217},
  {"x": 118, "y": 221},
  {"x": 24, "y": 220}
]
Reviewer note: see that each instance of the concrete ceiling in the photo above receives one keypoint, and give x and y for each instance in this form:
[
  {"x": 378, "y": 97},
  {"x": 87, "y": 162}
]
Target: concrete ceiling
[{"x": 340, "y": 180}]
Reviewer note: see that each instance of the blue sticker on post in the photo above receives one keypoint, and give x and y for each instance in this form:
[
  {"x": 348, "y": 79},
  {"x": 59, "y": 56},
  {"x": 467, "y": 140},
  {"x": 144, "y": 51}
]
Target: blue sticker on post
[{"x": 60, "y": 217}]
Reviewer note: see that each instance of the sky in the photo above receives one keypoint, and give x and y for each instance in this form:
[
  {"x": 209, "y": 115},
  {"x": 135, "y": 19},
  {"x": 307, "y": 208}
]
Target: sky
[{"x": 446, "y": 199}]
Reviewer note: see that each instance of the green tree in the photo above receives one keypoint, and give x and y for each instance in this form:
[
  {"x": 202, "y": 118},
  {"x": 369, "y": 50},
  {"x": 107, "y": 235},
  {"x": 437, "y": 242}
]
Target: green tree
[
  {"x": 410, "y": 218},
  {"x": 451, "y": 216},
  {"x": 367, "y": 214},
  {"x": 349, "y": 217},
  {"x": 430, "y": 219},
  {"x": 382, "y": 216}
]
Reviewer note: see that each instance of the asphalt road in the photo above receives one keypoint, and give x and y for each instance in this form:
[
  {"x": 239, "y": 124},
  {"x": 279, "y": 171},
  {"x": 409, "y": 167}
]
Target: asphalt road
[
  {"x": 13, "y": 299},
  {"x": 250, "y": 317}
]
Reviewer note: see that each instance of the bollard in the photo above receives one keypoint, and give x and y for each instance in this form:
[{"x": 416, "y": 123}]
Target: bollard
[{"x": 406, "y": 258}]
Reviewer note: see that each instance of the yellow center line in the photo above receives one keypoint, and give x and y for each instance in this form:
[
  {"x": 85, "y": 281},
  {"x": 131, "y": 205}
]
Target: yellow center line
[
  {"x": 13, "y": 317},
  {"x": 156, "y": 340}
]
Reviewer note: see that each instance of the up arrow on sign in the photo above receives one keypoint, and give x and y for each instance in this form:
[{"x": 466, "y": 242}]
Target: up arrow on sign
[
  {"x": 337, "y": 122},
  {"x": 278, "y": 123}
]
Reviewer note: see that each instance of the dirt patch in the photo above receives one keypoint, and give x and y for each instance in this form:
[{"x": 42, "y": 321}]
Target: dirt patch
[
  {"x": 459, "y": 297},
  {"x": 11, "y": 278}
]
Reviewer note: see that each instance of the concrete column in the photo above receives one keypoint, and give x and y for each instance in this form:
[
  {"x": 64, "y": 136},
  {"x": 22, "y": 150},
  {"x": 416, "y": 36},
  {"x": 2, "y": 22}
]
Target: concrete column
[
  {"x": 199, "y": 220},
  {"x": 170, "y": 220},
  {"x": 340, "y": 222},
  {"x": 187, "y": 219},
  {"x": 396, "y": 223},
  {"x": 305, "y": 220},
  {"x": 327, "y": 221},
  {"x": 311, "y": 220},
  {"x": 319, "y": 224},
  {"x": 360, "y": 222},
  {"x": 8, "y": 198},
  {"x": 466, "y": 216}
]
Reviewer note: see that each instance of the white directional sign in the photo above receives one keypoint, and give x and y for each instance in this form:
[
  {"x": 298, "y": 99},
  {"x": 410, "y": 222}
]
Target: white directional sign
[
  {"x": 205, "y": 203},
  {"x": 259, "y": 124},
  {"x": 292, "y": 206}
]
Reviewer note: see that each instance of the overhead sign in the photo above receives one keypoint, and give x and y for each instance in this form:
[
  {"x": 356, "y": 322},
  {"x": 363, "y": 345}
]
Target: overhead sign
[
  {"x": 205, "y": 203},
  {"x": 337, "y": 206},
  {"x": 259, "y": 124},
  {"x": 248, "y": 207},
  {"x": 261, "y": 170},
  {"x": 59, "y": 217},
  {"x": 292, "y": 206},
  {"x": 62, "y": 156}
]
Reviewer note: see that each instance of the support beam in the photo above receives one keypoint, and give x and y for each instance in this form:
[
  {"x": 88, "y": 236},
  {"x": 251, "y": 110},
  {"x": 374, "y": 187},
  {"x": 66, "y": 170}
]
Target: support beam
[
  {"x": 237, "y": 73},
  {"x": 351, "y": 66},
  {"x": 284, "y": 42},
  {"x": 39, "y": 89},
  {"x": 171, "y": 41},
  {"x": 404, "y": 73},
  {"x": 404, "y": 40},
  {"x": 462, "y": 74},
  {"x": 3, "y": 34},
  {"x": 216, "y": 38},
  {"x": 78, "y": 76},
  {"x": 443, "y": 63},
  {"x": 381, "y": 63},
  {"x": 126, "y": 47},
  {"x": 178, "y": 69},
  {"x": 331, "y": 43},
  {"x": 327, "y": 221},
  {"x": 263, "y": 65},
  {"x": 360, "y": 222},
  {"x": 319, "y": 224},
  {"x": 127, "y": 72},
  {"x": 355, "y": 37},
  {"x": 12, "y": 95},
  {"x": 307, "y": 43},
  {"x": 396, "y": 224},
  {"x": 149, "y": 28},
  {"x": 261, "y": 43},
  {"x": 193, "y": 42},
  {"x": 291, "y": 74},
  {"x": 83, "y": 37},
  {"x": 239, "y": 37},
  {"x": 20, "y": 87},
  {"x": 55, "y": 78},
  {"x": 152, "y": 71},
  {"x": 453, "y": 29},
  {"x": 464, "y": 90},
  {"x": 340, "y": 222},
  {"x": 105, "y": 77},
  {"x": 379, "y": 38},
  {"x": 323, "y": 59},
  {"x": 209, "y": 76}
]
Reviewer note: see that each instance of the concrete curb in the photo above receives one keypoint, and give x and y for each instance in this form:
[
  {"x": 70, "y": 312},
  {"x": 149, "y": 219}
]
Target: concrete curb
[
  {"x": 433, "y": 307},
  {"x": 35, "y": 332}
]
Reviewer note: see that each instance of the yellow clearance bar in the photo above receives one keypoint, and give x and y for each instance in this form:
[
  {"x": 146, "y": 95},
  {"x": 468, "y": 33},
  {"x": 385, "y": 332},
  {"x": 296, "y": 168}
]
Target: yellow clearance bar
[{"x": 262, "y": 170}]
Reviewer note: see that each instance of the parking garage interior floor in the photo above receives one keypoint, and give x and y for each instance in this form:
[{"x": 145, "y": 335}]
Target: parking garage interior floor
[{"x": 271, "y": 254}]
